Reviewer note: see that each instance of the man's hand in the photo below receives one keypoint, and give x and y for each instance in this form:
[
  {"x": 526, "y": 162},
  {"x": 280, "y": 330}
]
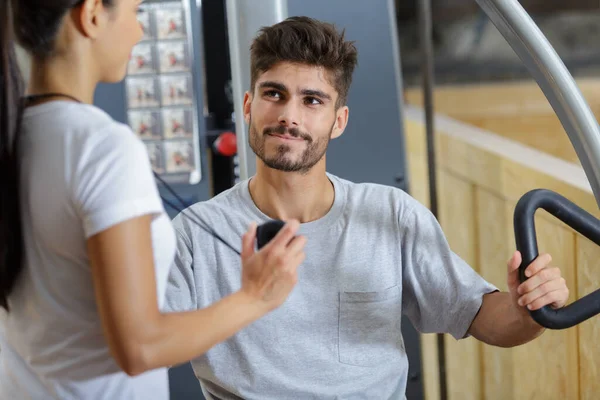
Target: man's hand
[
  {"x": 544, "y": 285},
  {"x": 503, "y": 319}
]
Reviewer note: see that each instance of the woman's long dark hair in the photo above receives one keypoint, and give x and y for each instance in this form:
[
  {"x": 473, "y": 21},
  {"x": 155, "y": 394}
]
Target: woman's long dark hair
[
  {"x": 11, "y": 88},
  {"x": 34, "y": 25}
]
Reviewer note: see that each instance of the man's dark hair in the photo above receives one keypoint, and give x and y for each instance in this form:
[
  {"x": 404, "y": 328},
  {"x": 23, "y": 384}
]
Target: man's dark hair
[{"x": 307, "y": 41}]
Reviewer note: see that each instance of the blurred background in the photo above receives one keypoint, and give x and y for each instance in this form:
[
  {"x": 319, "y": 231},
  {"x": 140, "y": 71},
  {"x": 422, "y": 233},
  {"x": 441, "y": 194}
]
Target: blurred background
[{"x": 468, "y": 47}]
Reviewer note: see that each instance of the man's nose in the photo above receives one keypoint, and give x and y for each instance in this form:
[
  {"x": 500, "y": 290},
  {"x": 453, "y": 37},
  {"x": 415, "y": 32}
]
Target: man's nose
[{"x": 291, "y": 114}]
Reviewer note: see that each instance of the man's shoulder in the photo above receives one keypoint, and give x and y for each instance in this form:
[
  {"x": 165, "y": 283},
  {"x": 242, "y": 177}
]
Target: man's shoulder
[
  {"x": 380, "y": 201},
  {"x": 365, "y": 192}
]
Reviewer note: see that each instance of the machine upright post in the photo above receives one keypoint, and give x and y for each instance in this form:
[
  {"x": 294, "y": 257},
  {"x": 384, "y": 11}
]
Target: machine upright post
[
  {"x": 244, "y": 19},
  {"x": 428, "y": 73}
]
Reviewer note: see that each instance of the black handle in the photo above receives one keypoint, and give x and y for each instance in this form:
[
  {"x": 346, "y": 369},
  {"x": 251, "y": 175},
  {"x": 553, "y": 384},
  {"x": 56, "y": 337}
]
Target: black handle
[
  {"x": 526, "y": 240},
  {"x": 267, "y": 231}
]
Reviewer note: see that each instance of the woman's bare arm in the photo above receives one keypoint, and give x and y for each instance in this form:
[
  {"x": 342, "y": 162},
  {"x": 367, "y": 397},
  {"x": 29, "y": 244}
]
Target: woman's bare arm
[{"x": 140, "y": 337}]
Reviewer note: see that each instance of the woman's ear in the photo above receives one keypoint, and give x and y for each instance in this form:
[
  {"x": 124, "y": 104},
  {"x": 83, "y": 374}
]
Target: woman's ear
[{"x": 92, "y": 17}]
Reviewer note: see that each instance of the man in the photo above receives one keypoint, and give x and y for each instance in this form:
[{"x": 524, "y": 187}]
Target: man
[{"x": 372, "y": 253}]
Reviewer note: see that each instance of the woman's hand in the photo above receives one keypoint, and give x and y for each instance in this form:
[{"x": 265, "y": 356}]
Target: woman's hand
[{"x": 269, "y": 275}]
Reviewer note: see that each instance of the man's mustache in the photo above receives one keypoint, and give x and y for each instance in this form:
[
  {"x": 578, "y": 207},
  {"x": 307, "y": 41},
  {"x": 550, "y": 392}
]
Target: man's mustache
[{"x": 282, "y": 130}]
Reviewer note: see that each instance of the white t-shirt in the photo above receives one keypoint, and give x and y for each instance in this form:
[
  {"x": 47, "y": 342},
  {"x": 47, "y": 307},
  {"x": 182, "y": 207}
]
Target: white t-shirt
[{"x": 82, "y": 173}]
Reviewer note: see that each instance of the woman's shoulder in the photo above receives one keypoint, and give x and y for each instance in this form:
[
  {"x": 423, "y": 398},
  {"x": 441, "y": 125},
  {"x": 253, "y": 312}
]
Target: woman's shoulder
[
  {"x": 76, "y": 122},
  {"x": 88, "y": 136}
]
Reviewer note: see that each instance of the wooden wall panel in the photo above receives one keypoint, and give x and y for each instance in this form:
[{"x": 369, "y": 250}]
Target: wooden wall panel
[
  {"x": 516, "y": 110},
  {"x": 542, "y": 132},
  {"x": 494, "y": 252},
  {"x": 588, "y": 270},
  {"x": 499, "y": 99},
  {"x": 467, "y": 161},
  {"x": 416, "y": 160},
  {"x": 518, "y": 180},
  {"x": 547, "y": 368},
  {"x": 419, "y": 189},
  {"x": 429, "y": 362},
  {"x": 458, "y": 221},
  {"x": 479, "y": 187}
]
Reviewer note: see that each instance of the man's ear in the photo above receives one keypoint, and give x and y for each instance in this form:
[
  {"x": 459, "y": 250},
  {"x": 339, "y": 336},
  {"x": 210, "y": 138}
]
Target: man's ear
[
  {"x": 92, "y": 16},
  {"x": 247, "y": 106},
  {"x": 341, "y": 121}
]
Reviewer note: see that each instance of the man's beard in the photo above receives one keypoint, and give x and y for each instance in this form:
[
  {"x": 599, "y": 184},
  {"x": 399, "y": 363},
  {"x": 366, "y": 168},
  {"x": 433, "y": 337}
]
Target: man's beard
[{"x": 314, "y": 152}]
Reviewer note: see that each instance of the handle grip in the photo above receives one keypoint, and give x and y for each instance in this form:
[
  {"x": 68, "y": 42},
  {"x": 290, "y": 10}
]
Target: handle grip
[{"x": 526, "y": 241}]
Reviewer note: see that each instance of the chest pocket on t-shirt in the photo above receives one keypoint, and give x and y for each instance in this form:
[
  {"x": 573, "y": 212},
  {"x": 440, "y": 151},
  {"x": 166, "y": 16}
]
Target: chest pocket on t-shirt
[{"x": 370, "y": 327}]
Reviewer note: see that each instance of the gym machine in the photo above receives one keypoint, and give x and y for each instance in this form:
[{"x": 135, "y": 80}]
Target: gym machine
[{"x": 559, "y": 87}]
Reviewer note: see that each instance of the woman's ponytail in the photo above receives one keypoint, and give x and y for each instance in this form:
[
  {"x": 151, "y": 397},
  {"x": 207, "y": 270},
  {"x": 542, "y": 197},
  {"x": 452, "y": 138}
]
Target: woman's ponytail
[{"x": 11, "y": 91}]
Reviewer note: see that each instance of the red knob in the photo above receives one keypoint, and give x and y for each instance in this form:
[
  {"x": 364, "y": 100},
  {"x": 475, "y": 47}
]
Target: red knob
[{"x": 226, "y": 144}]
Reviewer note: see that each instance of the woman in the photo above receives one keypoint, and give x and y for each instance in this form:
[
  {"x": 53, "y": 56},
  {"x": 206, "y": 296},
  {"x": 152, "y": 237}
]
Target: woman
[{"x": 85, "y": 244}]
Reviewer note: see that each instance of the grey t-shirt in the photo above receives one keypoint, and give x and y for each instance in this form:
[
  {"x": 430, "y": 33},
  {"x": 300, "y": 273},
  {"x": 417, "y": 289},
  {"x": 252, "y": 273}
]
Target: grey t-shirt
[{"x": 375, "y": 255}]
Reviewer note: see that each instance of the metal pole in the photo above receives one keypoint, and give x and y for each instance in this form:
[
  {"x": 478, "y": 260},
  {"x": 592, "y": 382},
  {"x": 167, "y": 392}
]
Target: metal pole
[
  {"x": 244, "y": 19},
  {"x": 550, "y": 73},
  {"x": 427, "y": 65}
]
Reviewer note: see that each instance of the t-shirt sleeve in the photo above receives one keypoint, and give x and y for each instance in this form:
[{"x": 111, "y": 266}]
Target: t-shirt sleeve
[
  {"x": 112, "y": 180},
  {"x": 181, "y": 285},
  {"x": 441, "y": 292}
]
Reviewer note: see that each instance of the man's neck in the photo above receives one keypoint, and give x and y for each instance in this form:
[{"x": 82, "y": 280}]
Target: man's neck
[{"x": 291, "y": 195}]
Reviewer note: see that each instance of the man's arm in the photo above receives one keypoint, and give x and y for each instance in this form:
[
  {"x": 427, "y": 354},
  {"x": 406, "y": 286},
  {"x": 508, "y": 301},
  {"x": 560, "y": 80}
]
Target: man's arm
[
  {"x": 498, "y": 323},
  {"x": 181, "y": 293},
  {"x": 503, "y": 319}
]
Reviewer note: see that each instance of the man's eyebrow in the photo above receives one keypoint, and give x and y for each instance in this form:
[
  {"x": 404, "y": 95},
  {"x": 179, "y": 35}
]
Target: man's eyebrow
[
  {"x": 273, "y": 85},
  {"x": 305, "y": 92},
  {"x": 316, "y": 93}
]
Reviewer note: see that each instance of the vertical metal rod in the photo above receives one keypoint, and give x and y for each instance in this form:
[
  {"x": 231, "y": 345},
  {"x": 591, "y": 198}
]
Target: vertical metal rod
[
  {"x": 427, "y": 68},
  {"x": 554, "y": 79},
  {"x": 427, "y": 65},
  {"x": 244, "y": 19}
]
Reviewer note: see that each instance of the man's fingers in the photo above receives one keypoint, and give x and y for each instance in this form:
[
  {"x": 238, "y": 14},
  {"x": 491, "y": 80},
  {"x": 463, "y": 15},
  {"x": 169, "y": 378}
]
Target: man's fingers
[
  {"x": 555, "y": 298},
  {"x": 541, "y": 291},
  {"x": 543, "y": 276},
  {"x": 541, "y": 262}
]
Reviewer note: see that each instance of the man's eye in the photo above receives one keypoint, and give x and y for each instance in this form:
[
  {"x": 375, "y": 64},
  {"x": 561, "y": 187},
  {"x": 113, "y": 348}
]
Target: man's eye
[
  {"x": 313, "y": 101},
  {"x": 272, "y": 93}
]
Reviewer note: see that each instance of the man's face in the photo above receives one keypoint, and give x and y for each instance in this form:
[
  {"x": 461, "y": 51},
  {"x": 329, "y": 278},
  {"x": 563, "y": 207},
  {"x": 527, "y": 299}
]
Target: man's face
[{"x": 292, "y": 116}]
